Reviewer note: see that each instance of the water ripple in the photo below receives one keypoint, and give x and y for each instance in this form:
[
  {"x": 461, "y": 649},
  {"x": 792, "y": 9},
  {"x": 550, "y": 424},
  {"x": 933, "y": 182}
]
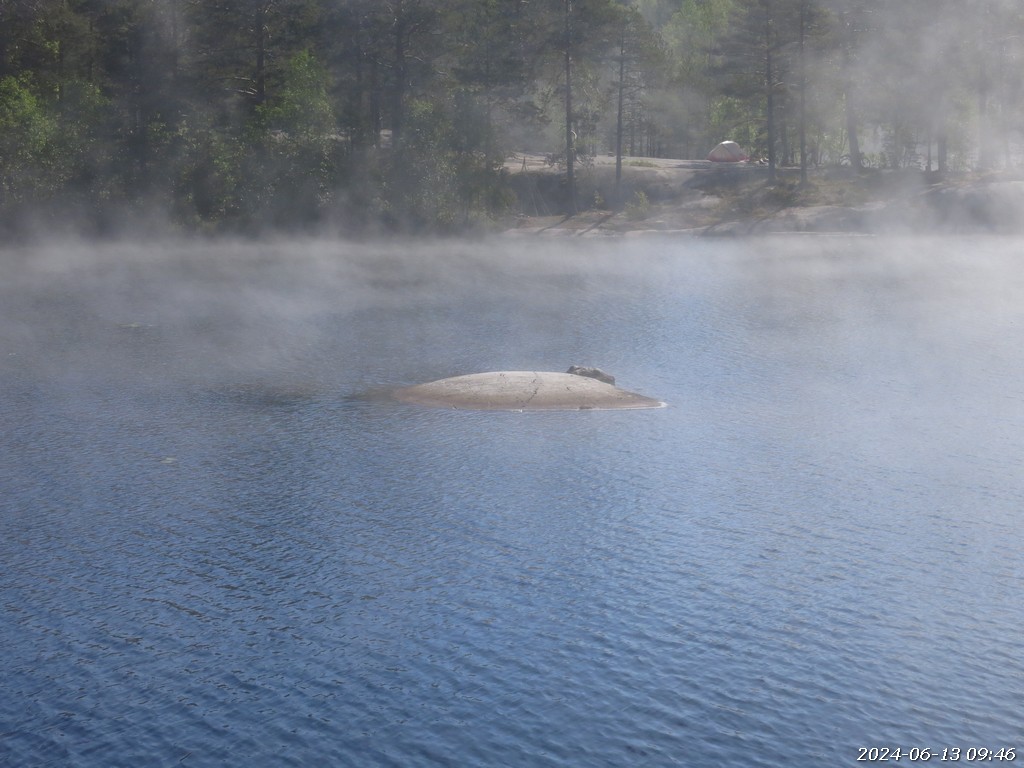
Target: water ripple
[{"x": 228, "y": 561}]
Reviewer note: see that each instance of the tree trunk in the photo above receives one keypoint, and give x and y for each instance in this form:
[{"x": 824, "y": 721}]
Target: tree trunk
[
  {"x": 618, "y": 119},
  {"x": 570, "y": 135},
  {"x": 175, "y": 52},
  {"x": 401, "y": 66},
  {"x": 260, "y": 75},
  {"x": 984, "y": 147},
  {"x": 851, "y": 131},
  {"x": 984, "y": 89},
  {"x": 769, "y": 77},
  {"x": 803, "y": 95},
  {"x": 849, "y": 100}
]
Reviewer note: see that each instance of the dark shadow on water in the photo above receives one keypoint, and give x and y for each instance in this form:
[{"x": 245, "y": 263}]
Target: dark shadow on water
[
  {"x": 260, "y": 395},
  {"x": 372, "y": 395}
]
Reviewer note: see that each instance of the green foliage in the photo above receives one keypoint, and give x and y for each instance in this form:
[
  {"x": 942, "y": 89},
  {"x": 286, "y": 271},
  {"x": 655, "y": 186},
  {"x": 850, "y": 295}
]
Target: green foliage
[
  {"x": 26, "y": 130},
  {"x": 442, "y": 178},
  {"x": 301, "y": 109},
  {"x": 429, "y": 194},
  {"x": 297, "y": 141},
  {"x": 639, "y": 207},
  {"x": 27, "y": 133},
  {"x": 208, "y": 186},
  {"x": 81, "y": 148},
  {"x": 240, "y": 114},
  {"x": 738, "y": 119}
]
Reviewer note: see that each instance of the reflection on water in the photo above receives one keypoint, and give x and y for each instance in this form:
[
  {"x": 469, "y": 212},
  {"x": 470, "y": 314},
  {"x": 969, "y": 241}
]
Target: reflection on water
[{"x": 215, "y": 555}]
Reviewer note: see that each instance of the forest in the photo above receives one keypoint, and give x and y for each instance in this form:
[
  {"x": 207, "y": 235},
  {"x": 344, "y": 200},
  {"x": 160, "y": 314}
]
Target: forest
[{"x": 243, "y": 116}]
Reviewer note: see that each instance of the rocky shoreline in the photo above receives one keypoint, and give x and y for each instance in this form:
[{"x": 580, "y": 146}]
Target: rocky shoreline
[{"x": 697, "y": 199}]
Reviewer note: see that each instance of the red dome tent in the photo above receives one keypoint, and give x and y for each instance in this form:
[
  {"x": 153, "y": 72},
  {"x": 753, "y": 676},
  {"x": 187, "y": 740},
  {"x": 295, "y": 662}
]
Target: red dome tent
[{"x": 728, "y": 152}]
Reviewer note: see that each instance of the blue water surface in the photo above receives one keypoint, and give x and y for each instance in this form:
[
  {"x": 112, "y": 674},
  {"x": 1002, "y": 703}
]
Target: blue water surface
[{"x": 221, "y": 545}]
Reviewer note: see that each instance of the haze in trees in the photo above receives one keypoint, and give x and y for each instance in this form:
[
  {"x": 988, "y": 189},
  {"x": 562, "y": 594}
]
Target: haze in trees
[{"x": 236, "y": 115}]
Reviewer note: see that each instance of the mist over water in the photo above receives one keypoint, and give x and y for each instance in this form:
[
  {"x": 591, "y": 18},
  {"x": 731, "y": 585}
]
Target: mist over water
[{"x": 217, "y": 551}]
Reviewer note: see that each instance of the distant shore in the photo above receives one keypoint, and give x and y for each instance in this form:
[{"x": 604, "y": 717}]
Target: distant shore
[{"x": 703, "y": 199}]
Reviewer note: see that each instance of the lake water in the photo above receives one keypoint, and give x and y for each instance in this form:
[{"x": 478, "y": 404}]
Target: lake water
[{"x": 218, "y": 551}]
